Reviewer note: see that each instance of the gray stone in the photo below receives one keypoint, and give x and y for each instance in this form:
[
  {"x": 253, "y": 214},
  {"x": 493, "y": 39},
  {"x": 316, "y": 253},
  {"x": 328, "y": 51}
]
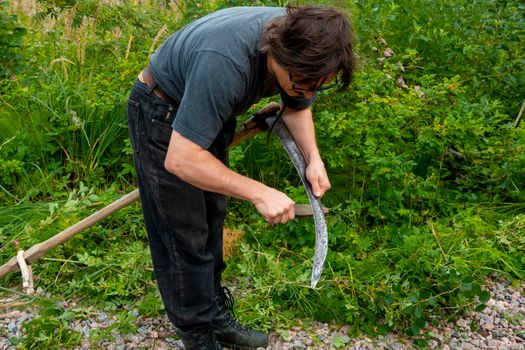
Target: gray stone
[
  {"x": 475, "y": 342},
  {"x": 462, "y": 323},
  {"x": 433, "y": 344},
  {"x": 488, "y": 326},
  {"x": 299, "y": 345},
  {"x": 494, "y": 331},
  {"x": 86, "y": 330},
  {"x": 22, "y": 319},
  {"x": 492, "y": 343},
  {"x": 12, "y": 327}
]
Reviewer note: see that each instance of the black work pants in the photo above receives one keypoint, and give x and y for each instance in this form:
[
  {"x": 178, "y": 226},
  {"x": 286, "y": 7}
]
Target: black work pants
[{"x": 184, "y": 223}]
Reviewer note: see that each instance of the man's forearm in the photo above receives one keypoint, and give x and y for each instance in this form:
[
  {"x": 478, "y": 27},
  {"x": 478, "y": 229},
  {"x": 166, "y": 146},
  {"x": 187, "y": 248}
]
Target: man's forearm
[
  {"x": 301, "y": 126},
  {"x": 201, "y": 169}
]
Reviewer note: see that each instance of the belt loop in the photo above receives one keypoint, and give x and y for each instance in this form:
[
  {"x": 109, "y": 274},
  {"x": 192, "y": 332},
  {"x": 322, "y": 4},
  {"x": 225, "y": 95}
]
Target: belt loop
[
  {"x": 151, "y": 87},
  {"x": 169, "y": 113}
]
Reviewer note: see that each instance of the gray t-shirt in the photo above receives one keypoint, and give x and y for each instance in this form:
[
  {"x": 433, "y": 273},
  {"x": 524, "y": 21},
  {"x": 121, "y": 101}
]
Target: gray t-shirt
[{"x": 214, "y": 70}]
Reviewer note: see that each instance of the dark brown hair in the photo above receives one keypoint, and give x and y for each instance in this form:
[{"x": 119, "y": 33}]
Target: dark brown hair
[{"x": 312, "y": 42}]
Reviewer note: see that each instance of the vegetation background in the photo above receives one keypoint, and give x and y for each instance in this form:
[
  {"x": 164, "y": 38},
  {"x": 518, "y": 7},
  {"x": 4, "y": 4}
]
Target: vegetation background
[{"x": 425, "y": 151}]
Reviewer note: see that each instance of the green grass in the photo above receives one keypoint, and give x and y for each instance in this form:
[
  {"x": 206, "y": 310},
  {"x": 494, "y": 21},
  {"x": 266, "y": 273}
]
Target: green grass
[{"x": 427, "y": 180}]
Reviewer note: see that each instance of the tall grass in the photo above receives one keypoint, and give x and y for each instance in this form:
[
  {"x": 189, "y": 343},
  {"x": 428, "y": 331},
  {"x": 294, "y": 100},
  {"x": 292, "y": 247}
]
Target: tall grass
[
  {"x": 427, "y": 176},
  {"x": 66, "y": 109}
]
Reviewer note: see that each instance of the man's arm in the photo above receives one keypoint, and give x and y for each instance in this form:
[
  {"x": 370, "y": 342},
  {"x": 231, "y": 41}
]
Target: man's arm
[
  {"x": 301, "y": 126},
  {"x": 200, "y": 168}
]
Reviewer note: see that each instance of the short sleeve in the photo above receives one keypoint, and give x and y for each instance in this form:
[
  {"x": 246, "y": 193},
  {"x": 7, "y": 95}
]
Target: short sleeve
[{"x": 214, "y": 85}]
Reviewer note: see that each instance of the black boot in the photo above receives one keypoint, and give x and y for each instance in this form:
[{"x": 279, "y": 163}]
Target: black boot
[
  {"x": 229, "y": 332},
  {"x": 199, "y": 338}
]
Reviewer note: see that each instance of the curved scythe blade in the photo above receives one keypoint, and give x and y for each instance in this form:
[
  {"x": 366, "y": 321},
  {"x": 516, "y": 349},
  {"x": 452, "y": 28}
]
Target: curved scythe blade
[{"x": 321, "y": 231}]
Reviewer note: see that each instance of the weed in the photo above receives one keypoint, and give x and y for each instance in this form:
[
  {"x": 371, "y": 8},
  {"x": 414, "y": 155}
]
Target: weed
[
  {"x": 425, "y": 157},
  {"x": 515, "y": 319}
]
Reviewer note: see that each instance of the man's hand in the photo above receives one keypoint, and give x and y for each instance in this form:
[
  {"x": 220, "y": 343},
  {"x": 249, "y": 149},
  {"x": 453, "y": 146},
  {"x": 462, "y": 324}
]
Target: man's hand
[
  {"x": 201, "y": 169},
  {"x": 318, "y": 178},
  {"x": 301, "y": 126},
  {"x": 275, "y": 206}
]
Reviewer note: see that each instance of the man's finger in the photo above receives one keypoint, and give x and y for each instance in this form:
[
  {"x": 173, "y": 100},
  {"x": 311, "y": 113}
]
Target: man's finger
[
  {"x": 316, "y": 189},
  {"x": 291, "y": 212}
]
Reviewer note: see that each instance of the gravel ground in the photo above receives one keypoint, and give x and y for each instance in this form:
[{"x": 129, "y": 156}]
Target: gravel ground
[{"x": 501, "y": 326}]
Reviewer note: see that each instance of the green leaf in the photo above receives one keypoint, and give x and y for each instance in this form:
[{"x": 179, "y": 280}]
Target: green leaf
[
  {"x": 420, "y": 322},
  {"x": 480, "y": 307},
  {"x": 413, "y": 297},
  {"x": 285, "y": 335},
  {"x": 418, "y": 312},
  {"x": 340, "y": 342},
  {"x": 466, "y": 287},
  {"x": 484, "y": 296}
]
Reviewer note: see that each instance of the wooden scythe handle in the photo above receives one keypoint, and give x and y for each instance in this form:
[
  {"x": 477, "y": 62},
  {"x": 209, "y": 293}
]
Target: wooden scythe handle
[{"x": 36, "y": 251}]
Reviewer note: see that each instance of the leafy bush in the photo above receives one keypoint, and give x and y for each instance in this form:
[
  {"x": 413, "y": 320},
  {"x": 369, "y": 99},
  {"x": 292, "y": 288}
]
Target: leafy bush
[
  {"x": 413, "y": 148},
  {"x": 66, "y": 109},
  {"x": 425, "y": 159},
  {"x": 11, "y": 38}
]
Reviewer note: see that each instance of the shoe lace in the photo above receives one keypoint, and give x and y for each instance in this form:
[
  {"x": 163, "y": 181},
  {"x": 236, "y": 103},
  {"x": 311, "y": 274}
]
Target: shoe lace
[{"x": 227, "y": 302}]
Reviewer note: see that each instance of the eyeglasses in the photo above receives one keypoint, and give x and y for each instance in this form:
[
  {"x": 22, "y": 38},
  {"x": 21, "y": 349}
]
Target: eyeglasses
[{"x": 315, "y": 85}]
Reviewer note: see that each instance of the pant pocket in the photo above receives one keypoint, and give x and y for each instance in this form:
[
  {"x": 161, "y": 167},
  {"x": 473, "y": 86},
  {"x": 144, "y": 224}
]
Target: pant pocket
[{"x": 160, "y": 135}]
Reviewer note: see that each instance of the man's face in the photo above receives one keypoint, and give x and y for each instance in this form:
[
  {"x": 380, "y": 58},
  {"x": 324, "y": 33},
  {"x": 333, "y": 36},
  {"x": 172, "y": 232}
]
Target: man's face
[
  {"x": 295, "y": 85},
  {"x": 303, "y": 85}
]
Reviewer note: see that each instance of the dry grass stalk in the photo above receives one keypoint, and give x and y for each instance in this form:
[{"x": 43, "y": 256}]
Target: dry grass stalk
[
  {"x": 27, "y": 7},
  {"x": 94, "y": 24},
  {"x": 81, "y": 37},
  {"x": 15, "y": 304},
  {"x": 157, "y": 38},
  {"x": 68, "y": 30},
  {"x": 128, "y": 49},
  {"x": 231, "y": 241},
  {"x": 12, "y": 302},
  {"x": 174, "y": 4},
  {"x": 11, "y": 314},
  {"x": 117, "y": 33},
  {"x": 63, "y": 62}
]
